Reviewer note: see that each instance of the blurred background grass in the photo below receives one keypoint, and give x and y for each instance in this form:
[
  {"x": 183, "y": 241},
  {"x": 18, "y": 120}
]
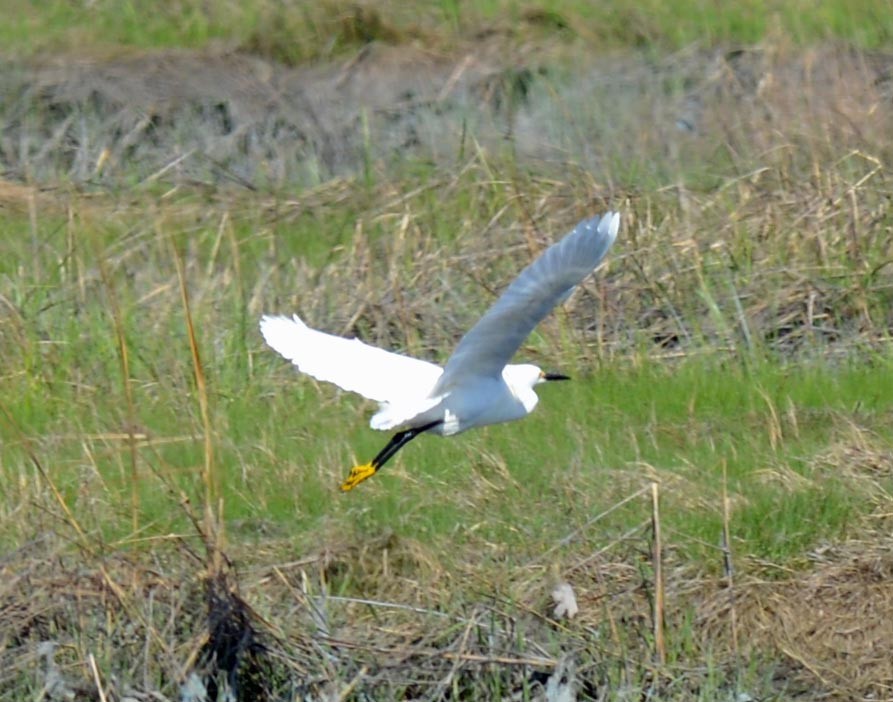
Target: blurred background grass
[{"x": 295, "y": 32}]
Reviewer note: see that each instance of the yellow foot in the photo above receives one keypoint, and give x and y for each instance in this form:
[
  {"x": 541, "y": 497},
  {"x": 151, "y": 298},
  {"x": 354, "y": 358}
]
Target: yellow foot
[{"x": 357, "y": 475}]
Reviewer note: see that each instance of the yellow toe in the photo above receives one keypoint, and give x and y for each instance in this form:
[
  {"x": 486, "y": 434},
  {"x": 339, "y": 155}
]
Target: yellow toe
[{"x": 357, "y": 475}]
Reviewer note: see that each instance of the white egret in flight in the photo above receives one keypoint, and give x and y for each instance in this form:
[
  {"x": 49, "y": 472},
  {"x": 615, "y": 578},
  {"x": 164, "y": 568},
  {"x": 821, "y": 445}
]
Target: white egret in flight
[{"x": 477, "y": 386}]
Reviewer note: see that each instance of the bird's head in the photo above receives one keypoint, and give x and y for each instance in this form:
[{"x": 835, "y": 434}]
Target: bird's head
[
  {"x": 552, "y": 376},
  {"x": 529, "y": 375}
]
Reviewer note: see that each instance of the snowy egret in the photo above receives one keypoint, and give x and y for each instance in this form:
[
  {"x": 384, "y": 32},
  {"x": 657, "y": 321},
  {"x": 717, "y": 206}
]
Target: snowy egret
[{"x": 477, "y": 386}]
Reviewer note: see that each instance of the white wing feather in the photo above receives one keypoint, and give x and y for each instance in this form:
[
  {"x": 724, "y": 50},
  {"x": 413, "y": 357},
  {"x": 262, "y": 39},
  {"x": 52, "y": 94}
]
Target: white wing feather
[
  {"x": 490, "y": 344},
  {"x": 349, "y": 363}
]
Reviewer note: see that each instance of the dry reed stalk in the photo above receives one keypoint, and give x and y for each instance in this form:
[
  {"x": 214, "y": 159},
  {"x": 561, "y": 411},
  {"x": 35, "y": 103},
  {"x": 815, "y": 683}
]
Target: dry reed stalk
[
  {"x": 657, "y": 563},
  {"x": 213, "y": 510}
]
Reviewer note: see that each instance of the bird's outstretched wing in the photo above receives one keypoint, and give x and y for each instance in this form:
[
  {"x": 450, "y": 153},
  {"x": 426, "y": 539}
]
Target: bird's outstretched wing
[
  {"x": 490, "y": 344},
  {"x": 349, "y": 363}
]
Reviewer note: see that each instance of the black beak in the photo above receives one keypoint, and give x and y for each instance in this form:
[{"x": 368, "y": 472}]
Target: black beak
[{"x": 555, "y": 376}]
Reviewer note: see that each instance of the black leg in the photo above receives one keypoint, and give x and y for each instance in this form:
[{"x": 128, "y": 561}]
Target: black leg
[
  {"x": 397, "y": 442},
  {"x": 360, "y": 473}
]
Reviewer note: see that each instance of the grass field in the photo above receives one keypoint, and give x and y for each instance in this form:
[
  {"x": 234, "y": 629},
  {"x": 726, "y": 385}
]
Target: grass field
[{"x": 715, "y": 484}]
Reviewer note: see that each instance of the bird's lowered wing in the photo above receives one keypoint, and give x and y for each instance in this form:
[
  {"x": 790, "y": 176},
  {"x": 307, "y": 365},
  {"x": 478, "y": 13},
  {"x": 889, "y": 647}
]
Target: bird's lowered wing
[
  {"x": 349, "y": 363},
  {"x": 490, "y": 344}
]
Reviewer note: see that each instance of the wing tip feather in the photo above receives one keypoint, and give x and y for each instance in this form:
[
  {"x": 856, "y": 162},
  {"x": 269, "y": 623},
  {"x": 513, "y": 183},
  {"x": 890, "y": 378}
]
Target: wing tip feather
[
  {"x": 610, "y": 224},
  {"x": 279, "y": 332},
  {"x": 601, "y": 230}
]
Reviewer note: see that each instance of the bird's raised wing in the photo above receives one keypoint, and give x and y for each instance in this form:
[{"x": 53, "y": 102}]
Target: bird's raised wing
[
  {"x": 490, "y": 344},
  {"x": 349, "y": 363}
]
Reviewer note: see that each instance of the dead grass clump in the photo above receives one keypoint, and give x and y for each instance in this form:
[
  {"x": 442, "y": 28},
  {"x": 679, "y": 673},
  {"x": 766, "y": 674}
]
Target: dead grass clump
[
  {"x": 165, "y": 624},
  {"x": 387, "y": 564},
  {"x": 864, "y": 461},
  {"x": 833, "y": 625},
  {"x": 151, "y": 626},
  {"x": 119, "y": 615},
  {"x": 233, "y": 656}
]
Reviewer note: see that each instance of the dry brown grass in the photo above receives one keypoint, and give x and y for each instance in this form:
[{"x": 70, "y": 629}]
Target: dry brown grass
[
  {"x": 150, "y": 620},
  {"x": 831, "y": 623}
]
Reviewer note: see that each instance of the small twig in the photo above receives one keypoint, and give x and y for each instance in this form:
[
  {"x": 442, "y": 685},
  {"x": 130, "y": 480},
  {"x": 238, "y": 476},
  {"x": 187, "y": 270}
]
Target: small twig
[
  {"x": 351, "y": 686},
  {"x": 448, "y": 655},
  {"x": 164, "y": 169},
  {"x": 445, "y": 683},
  {"x": 388, "y": 605},
  {"x": 727, "y": 561},
  {"x": 454, "y": 77},
  {"x": 604, "y": 549},
  {"x": 93, "y": 669},
  {"x": 589, "y": 522}
]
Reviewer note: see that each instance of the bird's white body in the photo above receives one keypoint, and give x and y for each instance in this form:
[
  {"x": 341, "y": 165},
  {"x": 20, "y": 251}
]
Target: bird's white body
[
  {"x": 478, "y": 402},
  {"x": 412, "y": 397},
  {"x": 477, "y": 386}
]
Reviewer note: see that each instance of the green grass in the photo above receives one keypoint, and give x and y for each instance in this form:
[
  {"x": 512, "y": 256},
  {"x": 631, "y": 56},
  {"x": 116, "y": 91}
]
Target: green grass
[
  {"x": 299, "y": 32},
  {"x": 281, "y": 444}
]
